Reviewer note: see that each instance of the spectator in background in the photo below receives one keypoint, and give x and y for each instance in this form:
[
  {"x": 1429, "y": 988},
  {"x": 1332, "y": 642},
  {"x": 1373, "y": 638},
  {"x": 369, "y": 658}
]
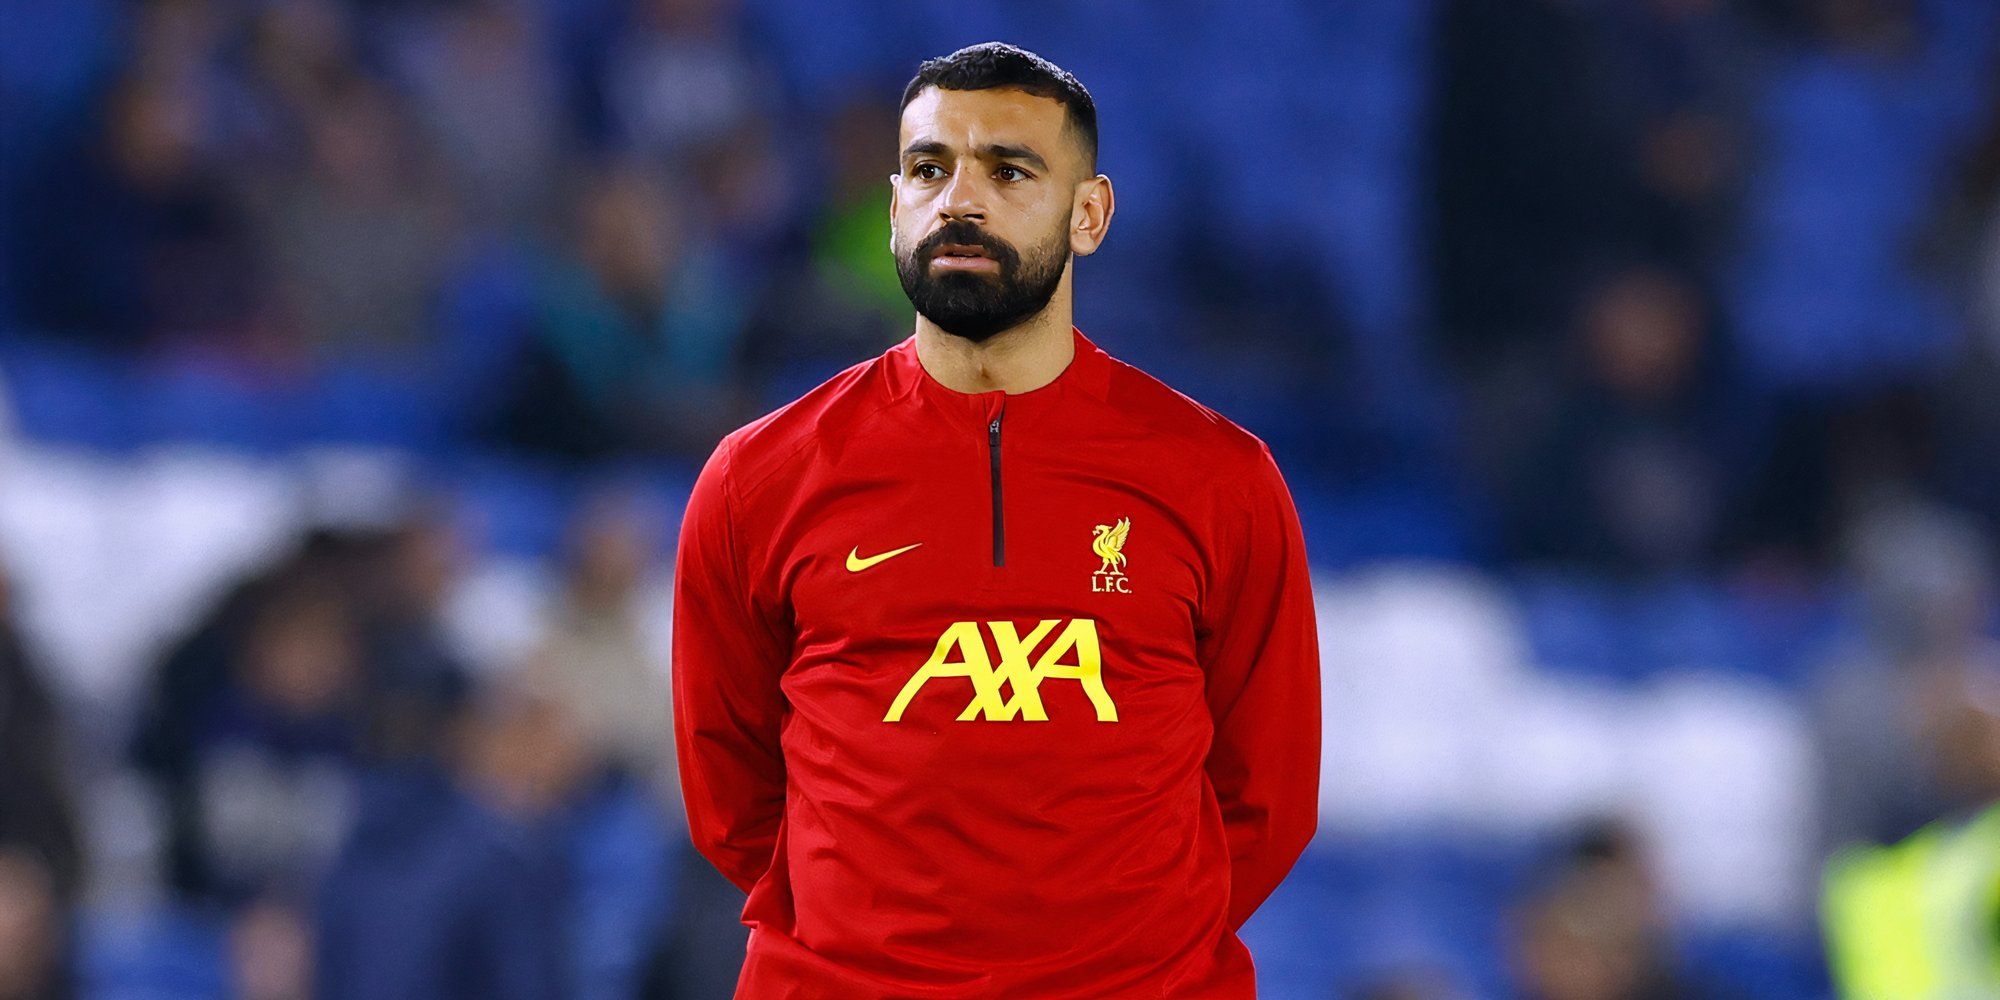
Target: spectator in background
[
  {"x": 293, "y": 55},
  {"x": 488, "y": 93},
  {"x": 749, "y": 230},
  {"x": 827, "y": 292},
  {"x": 1863, "y": 107},
  {"x": 34, "y": 929},
  {"x": 743, "y": 200},
  {"x": 37, "y": 811},
  {"x": 332, "y": 655},
  {"x": 598, "y": 658},
  {"x": 41, "y": 855},
  {"x": 359, "y": 234},
  {"x": 855, "y": 302},
  {"x": 275, "y": 752},
  {"x": 1921, "y": 919},
  {"x": 1527, "y": 183},
  {"x": 631, "y": 352},
  {"x": 1569, "y": 133},
  {"x": 1926, "y": 580},
  {"x": 1672, "y": 76},
  {"x": 1412, "y": 985},
  {"x": 445, "y": 890},
  {"x": 1637, "y": 465},
  {"x": 193, "y": 675},
  {"x": 516, "y": 873},
  {"x": 1962, "y": 707},
  {"x": 681, "y": 78},
  {"x": 270, "y": 952},
  {"x": 1961, "y": 247},
  {"x": 398, "y": 584},
  {"x": 134, "y": 236},
  {"x": 1252, "y": 309},
  {"x": 1983, "y": 190},
  {"x": 320, "y": 679},
  {"x": 255, "y": 743},
  {"x": 1596, "y": 928},
  {"x": 1962, "y": 252},
  {"x": 853, "y": 227}
]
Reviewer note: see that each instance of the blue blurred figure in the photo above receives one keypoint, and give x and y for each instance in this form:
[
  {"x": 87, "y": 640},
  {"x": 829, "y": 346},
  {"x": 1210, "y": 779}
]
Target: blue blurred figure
[{"x": 525, "y": 871}]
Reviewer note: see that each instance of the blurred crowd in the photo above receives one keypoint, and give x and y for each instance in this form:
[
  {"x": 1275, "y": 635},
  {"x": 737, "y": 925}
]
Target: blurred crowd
[
  {"x": 571, "y": 226},
  {"x": 344, "y": 807},
  {"x": 1679, "y": 318}
]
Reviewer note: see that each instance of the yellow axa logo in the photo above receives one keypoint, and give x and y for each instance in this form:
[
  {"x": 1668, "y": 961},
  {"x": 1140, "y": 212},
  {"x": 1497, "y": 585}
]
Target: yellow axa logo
[{"x": 961, "y": 652}]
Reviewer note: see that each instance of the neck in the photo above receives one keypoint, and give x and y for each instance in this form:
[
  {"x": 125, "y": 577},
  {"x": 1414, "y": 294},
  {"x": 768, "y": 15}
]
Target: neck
[{"x": 1018, "y": 359}]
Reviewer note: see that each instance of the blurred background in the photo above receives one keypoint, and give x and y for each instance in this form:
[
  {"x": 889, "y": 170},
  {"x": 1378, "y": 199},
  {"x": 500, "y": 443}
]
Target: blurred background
[{"x": 1635, "y": 366}]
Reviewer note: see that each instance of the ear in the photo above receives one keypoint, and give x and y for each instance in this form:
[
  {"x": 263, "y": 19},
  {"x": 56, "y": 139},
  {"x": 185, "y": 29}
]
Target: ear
[
  {"x": 895, "y": 189},
  {"x": 1090, "y": 215}
]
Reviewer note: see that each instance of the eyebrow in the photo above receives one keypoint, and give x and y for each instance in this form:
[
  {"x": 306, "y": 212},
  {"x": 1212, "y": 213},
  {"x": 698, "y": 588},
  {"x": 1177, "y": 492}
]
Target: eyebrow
[{"x": 992, "y": 150}]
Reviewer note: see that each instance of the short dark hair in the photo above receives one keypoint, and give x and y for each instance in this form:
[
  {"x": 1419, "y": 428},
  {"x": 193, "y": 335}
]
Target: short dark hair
[{"x": 997, "y": 64}]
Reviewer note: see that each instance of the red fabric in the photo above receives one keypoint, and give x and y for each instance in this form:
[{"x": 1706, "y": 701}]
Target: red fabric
[{"x": 1069, "y": 838}]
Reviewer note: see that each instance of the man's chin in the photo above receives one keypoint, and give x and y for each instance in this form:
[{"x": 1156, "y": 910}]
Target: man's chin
[
  {"x": 972, "y": 310},
  {"x": 975, "y": 327}
]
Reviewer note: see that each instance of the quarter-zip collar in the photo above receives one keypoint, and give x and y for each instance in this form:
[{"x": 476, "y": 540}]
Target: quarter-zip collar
[{"x": 1088, "y": 374}]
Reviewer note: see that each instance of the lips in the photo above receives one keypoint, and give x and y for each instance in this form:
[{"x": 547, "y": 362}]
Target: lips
[{"x": 969, "y": 257}]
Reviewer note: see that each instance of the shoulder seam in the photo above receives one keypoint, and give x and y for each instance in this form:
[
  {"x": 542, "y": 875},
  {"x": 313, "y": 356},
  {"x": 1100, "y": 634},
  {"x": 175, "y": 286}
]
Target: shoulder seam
[
  {"x": 806, "y": 439},
  {"x": 795, "y": 447},
  {"x": 728, "y": 470}
]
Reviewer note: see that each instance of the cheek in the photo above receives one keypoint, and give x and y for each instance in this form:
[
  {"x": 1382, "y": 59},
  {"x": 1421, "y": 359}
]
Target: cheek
[
  {"x": 906, "y": 220},
  {"x": 911, "y": 200}
]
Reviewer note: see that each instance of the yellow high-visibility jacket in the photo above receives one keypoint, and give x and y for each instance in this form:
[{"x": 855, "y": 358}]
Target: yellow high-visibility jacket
[{"x": 1919, "y": 920}]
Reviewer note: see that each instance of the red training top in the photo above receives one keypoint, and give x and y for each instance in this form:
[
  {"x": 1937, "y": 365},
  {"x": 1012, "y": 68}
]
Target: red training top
[{"x": 992, "y": 695}]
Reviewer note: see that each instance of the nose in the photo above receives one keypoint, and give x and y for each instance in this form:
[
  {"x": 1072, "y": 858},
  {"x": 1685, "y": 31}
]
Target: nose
[{"x": 962, "y": 198}]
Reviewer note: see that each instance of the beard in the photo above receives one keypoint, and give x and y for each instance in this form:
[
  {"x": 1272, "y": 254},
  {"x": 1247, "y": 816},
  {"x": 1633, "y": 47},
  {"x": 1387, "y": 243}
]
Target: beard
[{"x": 976, "y": 305}]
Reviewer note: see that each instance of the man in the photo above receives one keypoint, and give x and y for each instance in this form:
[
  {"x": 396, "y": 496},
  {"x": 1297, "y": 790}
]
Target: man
[
  {"x": 1920, "y": 919},
  {"x": 995, "y": 668}
]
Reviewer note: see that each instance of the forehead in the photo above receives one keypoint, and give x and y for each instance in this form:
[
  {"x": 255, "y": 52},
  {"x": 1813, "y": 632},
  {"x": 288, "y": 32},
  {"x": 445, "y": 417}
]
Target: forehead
[{"x": 964, "y": 119}]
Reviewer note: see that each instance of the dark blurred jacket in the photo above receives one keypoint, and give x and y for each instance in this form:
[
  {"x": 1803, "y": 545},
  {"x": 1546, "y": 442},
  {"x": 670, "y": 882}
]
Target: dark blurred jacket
[
  {"x": 437, "y": 896},
  {"x": 36, "y": 810}
]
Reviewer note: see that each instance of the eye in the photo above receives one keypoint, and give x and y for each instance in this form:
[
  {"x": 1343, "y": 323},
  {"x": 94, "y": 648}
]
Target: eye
[
  {"x": 1023, "y": 174},
  {"x": 921, "y": 167}
]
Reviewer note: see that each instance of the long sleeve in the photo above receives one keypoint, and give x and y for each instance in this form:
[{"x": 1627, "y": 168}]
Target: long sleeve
[
  {"x": 727, "y": 661},
  {"x": 1258, "y": 644}
]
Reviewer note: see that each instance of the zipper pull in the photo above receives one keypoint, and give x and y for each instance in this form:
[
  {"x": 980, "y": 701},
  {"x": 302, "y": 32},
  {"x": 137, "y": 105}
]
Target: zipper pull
[{"x": 993, "y": 454}]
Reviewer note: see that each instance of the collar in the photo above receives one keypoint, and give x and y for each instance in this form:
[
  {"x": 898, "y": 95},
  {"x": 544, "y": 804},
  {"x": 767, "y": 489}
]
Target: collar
[{"x": 1088, "y": 373}]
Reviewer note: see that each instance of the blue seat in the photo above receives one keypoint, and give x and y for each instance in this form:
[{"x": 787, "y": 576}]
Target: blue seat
[
  {"x": 159, "y": 954},
  {"x": 358, "y": 405},
  {"x": 795, "y": 377},
  {"x": 519, "y": 508},
  {"x": 190, "y": 402},
  {"x": 1690, "y": 623},
  {"x": 1574, "y": 627},
  {"x": 68, "y": 394},
  {"x": 1757, "y": 963},
  {"x": 822, "y": 48},
  {"x": 52, "y": 50}
]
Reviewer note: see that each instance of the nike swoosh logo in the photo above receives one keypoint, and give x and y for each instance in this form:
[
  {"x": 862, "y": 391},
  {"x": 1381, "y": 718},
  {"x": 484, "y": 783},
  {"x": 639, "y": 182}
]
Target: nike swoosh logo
[{"x": 856, "y": 564}]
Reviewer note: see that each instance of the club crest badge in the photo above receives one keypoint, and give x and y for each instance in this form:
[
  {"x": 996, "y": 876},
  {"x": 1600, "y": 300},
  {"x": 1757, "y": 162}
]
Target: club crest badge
[{"x": 1108, "y": 542}]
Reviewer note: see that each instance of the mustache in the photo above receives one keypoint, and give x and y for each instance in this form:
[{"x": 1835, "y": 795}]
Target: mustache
[{"x": 967, "y": 234}]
